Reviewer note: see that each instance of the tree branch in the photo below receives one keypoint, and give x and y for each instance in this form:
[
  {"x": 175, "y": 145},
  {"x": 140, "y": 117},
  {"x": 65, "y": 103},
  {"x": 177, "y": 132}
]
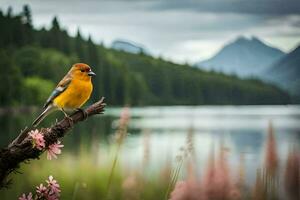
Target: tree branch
[{"x": 21, "y": 149}]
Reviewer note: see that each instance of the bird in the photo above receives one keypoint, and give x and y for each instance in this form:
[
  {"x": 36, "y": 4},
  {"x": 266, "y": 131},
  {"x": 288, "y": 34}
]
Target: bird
[{"x": 71, "y": 92}]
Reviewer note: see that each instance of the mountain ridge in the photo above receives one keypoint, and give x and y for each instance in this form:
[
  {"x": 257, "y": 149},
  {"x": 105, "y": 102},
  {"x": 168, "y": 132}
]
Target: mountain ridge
[
  {"x": 243, "y": 57},
  {"x": 286, "y": 72}
]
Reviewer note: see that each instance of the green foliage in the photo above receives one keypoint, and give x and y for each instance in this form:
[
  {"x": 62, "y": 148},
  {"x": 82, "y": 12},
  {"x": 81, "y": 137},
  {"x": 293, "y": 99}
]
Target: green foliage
[
  {"x": 28, "y": 59},
  {"x": 11, "y": 81},
  {"x": 37, "y": 90},
  {"x": 54, "y": 64},
  {"x": 47, "y": 63},
  {"x": 123, "y": 78}
]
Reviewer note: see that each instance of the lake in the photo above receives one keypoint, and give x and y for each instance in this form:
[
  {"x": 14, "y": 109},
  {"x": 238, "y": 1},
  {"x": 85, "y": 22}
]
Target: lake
[{"x": 157, "y": 133}]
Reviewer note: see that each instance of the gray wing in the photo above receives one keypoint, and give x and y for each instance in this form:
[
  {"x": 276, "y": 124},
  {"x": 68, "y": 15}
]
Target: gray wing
[{"x": 62, "y": 86}]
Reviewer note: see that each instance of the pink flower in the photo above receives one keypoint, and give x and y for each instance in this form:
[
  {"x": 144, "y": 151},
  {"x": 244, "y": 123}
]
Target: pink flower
[
  {"x": 53, "y": 185},
  {"x": 52, "y": 197},
  {"x": 53, "y": 150},
  {"x": 37, "y": 139},
  {"x": 23, "y": 197},
  {"x": 217, "y": 182},
  {"x": 189, "y": 188},
  {"x": 41, "y": 190},
  {"x": 124, "y": 116},
  {"x": 49, "y": 192},
  {"x": 292, "y": 175},
  {"x": 271, "y": 158}
]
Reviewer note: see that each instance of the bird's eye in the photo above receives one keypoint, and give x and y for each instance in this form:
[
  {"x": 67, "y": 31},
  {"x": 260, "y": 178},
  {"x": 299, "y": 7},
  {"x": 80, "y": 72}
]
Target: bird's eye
[{"x": 82, "y": 70}]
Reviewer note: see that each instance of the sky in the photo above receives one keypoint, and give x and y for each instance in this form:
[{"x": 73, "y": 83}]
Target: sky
[{"x": 177, "y": 30}]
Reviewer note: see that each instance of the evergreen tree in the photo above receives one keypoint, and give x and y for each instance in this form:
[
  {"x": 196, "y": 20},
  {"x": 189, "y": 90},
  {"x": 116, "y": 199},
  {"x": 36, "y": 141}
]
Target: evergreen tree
[
  {"x": 80, "y": 47},
  {"x": 92, "y": 52},
  {"x": 55, "y": 24},
  {"x": 55, "y": 35},
  {"x": 94, "y": 61},
  {"x": 9, "y": 12},
  {"x": 27, "y": 15},
  {"x": 66, "y": 43},
  {"x": 27, "y": 28}
]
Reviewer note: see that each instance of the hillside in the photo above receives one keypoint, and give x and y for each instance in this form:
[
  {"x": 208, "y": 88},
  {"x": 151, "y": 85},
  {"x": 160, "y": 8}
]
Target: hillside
[
  {"x": 32, "y": 61},
  {"x": 286, "y": 72},
  {"x": 243, "y": 57}
]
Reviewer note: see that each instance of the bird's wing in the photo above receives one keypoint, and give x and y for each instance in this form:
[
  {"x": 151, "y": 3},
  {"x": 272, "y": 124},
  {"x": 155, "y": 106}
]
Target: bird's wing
[{"x": 62, "y": 86}]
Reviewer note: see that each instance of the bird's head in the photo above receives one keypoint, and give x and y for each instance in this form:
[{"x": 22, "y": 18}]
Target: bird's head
[{"x": 82, "y": 71}]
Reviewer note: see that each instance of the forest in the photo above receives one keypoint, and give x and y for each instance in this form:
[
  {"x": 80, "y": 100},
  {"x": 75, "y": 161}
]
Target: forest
[{"x": 34, "y": 60}]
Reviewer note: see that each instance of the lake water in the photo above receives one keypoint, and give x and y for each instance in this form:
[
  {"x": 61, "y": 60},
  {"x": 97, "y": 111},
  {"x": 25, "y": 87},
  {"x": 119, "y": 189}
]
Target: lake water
[
  {"x": 158, "y": 133},
  {"x": 241, "y": 130}
]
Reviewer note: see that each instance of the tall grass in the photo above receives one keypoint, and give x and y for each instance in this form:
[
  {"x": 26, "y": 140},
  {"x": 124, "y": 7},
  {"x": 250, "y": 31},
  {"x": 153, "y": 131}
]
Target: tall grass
[{"x": 119, "y": 136}]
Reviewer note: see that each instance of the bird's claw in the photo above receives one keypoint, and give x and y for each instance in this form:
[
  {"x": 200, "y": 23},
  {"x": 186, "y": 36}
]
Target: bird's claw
[
  {"x": 70, "y": 120},
  {"x": 84, "y": 113}
]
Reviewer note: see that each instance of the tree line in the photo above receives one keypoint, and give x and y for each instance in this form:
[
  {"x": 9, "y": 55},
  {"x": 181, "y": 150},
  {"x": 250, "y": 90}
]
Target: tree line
[{"x": 33, "y": 60}]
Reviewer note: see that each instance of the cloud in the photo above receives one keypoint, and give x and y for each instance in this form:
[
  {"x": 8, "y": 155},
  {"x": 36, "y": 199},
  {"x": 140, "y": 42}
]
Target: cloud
[
  {"x": 266, "y": 7},
  {"x": 183, "y": 30}
]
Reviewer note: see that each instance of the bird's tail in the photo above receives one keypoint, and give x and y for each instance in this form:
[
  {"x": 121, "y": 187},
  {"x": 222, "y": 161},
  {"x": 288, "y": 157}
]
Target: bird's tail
[{"x": 40, "y": 118}]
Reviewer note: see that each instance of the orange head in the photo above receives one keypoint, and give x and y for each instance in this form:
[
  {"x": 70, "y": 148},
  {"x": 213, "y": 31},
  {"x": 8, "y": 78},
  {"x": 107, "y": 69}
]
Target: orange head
[{"x": 81, "y": 71}]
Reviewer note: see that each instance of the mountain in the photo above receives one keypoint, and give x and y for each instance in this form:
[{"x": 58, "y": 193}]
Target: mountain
[
  {"x": 286, "y": 72},
  {"x": 129, "y": 47},
  {"x": 243, "y": 57}
]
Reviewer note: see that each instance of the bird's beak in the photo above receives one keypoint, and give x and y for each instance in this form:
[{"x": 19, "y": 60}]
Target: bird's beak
[{"x": 91, "y": 73}]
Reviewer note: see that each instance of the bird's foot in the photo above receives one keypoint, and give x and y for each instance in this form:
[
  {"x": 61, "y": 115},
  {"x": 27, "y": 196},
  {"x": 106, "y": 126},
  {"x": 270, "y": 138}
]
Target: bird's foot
[
  {"x": 70, "y": 120},
  {"x": 84, "y": 113}
]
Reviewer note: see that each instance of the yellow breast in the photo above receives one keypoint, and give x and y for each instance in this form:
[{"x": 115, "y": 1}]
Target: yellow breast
[{"x": 77, "y": 93}]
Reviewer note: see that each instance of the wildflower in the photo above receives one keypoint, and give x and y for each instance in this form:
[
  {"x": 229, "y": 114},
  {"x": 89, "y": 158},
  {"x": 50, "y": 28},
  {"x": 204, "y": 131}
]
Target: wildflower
[
  {"x": 124, "y": 116},
  {"x": 217, "y": 183},
  {"x": 292, "y": 175},
  {"x": 41, "y": 190},
  {"x": 271, "y": 159},
  {"x": 53, "y": 185},
  {"x": 53, "y": 150},
  {"x": 146, "y": 151},
  {"x": 179, "y": 158},
  {"x": 119, "y": 137},
  {"x": 37, "y": 139},
  {"x": 130, "y": 183},
  {"x": 132, "y": 186},
  {"x": 180, "y": 192},
  {"x": 49, "y": 192},
  {"x": 29, "y": 197},
  {"x": 23, "y": 197},
  {"x": 188, "y": 189}
]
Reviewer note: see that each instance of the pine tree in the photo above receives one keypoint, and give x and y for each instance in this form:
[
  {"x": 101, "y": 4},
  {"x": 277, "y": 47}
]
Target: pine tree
[
  {"x": 55, "y": 36},
  {"x": 80, "y": 48},
  {"x": 27, "y": 27},
  {"x": 9, "y": 12},
  {"x": 92, "y": 52},
  {"x": 27, "y": 15}
]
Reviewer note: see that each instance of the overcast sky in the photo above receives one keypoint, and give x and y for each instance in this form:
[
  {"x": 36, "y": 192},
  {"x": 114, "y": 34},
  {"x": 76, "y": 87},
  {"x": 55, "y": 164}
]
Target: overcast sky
[{"x": 180, "y": 30}]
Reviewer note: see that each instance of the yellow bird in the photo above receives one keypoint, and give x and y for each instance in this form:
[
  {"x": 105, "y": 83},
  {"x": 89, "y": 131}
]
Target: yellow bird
[{"x": 70, "y": 93}]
